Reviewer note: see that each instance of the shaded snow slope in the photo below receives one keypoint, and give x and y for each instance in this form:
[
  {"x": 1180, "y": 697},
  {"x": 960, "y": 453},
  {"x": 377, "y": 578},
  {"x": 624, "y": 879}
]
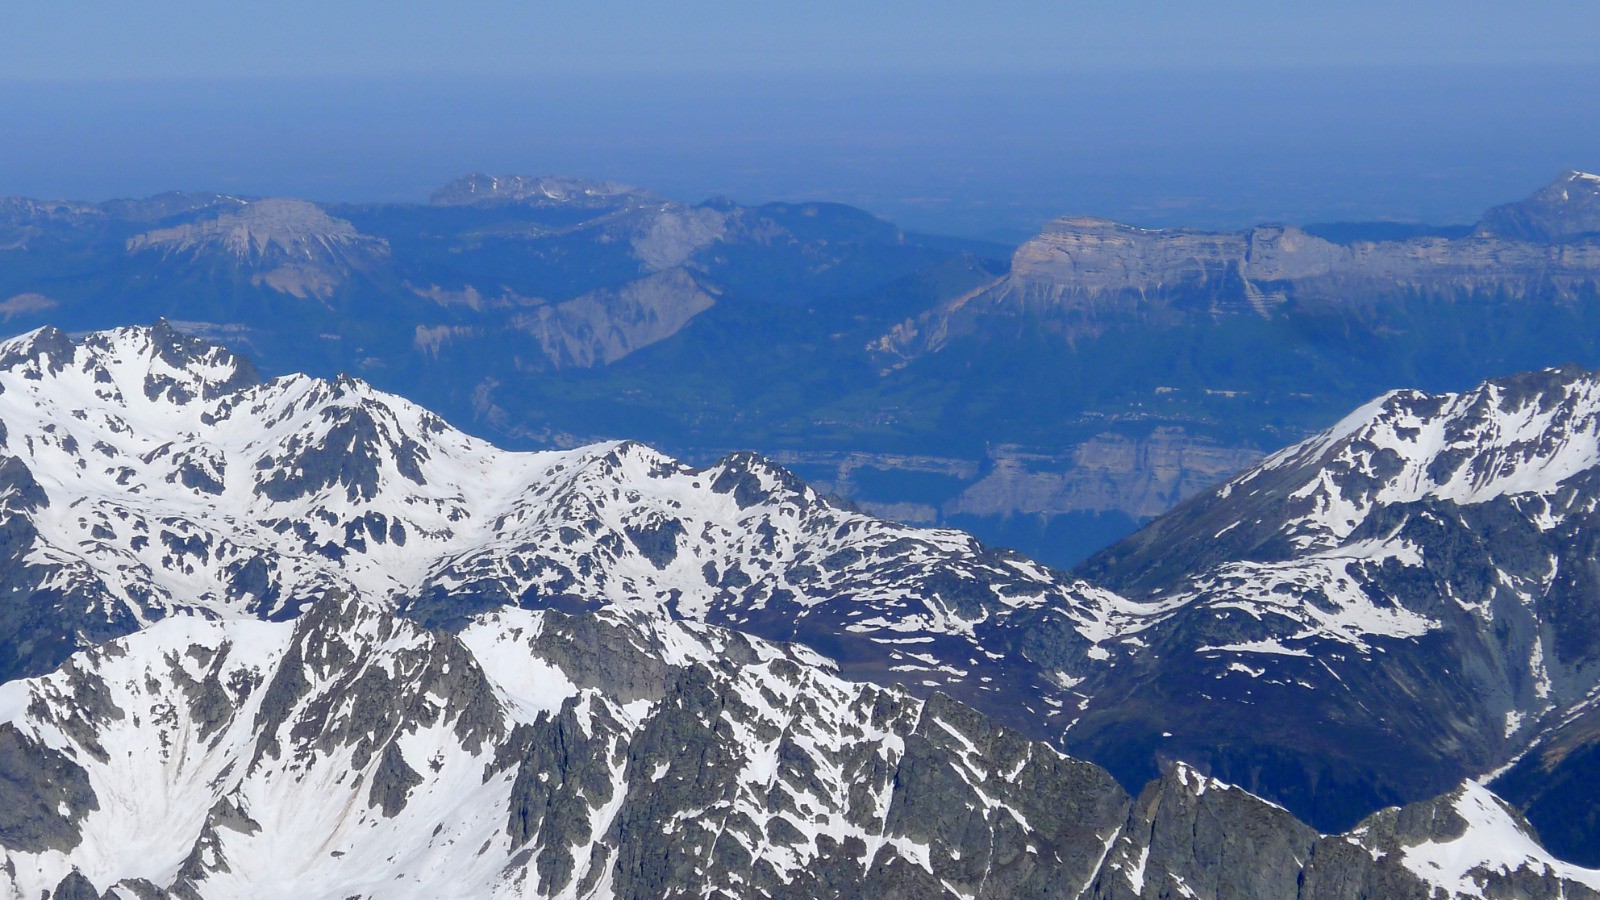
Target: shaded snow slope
[{"x": 1371, "y": 615}]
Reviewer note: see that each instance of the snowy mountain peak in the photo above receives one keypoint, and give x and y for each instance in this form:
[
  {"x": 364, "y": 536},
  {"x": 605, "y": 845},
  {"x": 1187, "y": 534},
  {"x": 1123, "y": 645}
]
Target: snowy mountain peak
[
  {"x": 156, "y": 363},
  {"x": 1521, "y": 435},
  {"x": 167, "y": 478},
  {"x": 478, "y": 189},
  {"x": 1414, "y": 587},
  {"x": 1470, "y": 843}
]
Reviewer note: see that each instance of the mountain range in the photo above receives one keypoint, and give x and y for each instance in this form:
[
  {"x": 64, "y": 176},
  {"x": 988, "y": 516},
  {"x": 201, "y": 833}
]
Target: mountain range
[
  {"x": 302, "y": 631},
  {"x": 1050, "y": 397}
]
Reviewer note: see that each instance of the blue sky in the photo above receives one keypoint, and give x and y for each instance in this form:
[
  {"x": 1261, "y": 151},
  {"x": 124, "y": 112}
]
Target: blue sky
[
  {"x": 966, "y": 118},
  {"x": 100, "y": 39}
]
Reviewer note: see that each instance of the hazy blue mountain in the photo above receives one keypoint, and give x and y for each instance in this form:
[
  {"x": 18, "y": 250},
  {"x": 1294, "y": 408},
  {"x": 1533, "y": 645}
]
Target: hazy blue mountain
[{"x": 1051, "y": 400}]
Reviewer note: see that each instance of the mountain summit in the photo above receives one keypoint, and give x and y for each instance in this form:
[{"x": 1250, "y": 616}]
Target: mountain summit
[
  {"x": 141, "y": 489},
  {"x": 290, "y": 245},
  {"x": 1566, "y": 209},
  {"x": 1404, "y": 600},
  {"x": 479, "y": 189},
  {"x": 642, "y": 679}
]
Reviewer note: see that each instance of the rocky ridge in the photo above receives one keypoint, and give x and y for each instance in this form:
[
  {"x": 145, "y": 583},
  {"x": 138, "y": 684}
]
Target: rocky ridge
[
  {"x": 352, "y": 753},
  {"x": 1358, "y": 579},
  {"x": 273, "y": 550},
  {"x": 1081, "y": 274},
  {"x": 1399, "y": 602},
  {"x": 291, "y": 246},
  {"x": 1566, "y": 209},
  {"x": 155, "y": 474}
]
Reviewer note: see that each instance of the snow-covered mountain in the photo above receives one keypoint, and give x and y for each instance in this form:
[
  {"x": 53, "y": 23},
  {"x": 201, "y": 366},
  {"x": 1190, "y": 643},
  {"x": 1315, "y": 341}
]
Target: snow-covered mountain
[
  {"x": 153, "y": 474},
  {"x": 533, "y": 754},
  {"x": 300, "y": 636},
  {"x": 478, "y": 189},
  {"x": 1400, "y": 602}
]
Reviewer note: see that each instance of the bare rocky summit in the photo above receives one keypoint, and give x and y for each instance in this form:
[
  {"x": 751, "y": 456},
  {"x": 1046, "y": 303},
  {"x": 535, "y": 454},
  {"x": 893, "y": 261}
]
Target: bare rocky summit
[
  {"x": 1566, "y": 209},
  {"x": 291, "y": 246}
]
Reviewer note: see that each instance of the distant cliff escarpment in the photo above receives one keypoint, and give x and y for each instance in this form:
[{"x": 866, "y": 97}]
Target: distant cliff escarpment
[{"x": 1079, "y": 272}]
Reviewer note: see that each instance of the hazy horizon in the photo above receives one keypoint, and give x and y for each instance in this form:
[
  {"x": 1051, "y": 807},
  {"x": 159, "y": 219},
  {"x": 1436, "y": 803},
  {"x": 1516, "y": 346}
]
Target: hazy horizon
[{"x": 937, "y": 116}]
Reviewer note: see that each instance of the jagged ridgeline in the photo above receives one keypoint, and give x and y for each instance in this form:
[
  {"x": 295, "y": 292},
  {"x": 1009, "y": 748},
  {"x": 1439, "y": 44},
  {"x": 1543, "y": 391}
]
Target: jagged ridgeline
[
  {"x": 1405, "y": 600},
  {"x": 302, "y": 636},
  {"x": 353, "y": 753}
]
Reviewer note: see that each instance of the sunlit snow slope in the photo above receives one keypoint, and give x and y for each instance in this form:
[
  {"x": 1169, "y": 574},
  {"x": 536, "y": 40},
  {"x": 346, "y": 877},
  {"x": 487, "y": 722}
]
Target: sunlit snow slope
[
  {"x": 153, "y": 473},
  {"x": 352, "y": 753}
]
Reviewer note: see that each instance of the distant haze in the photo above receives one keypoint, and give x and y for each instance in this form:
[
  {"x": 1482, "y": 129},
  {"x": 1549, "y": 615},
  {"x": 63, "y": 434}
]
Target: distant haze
[
  {"x": 993, "y": 155},
  {"x": 932, "y": 114}
]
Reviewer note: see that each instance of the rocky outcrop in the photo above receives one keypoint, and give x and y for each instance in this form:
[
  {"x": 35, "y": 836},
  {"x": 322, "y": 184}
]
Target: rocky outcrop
[
  {"x": 1140, "y": 476},
  {"x": 1375, "y": 613},
  {"x": 25, "y": 305},
  {"x": 354, "y": 754},
  {"x": 604, "y": 326},
  {"x": 244, "y": 498},
  {"x": 290, "y": 246},
  {"x": 1080, "y": 274},
  {"x": 1563, "y": 210}
]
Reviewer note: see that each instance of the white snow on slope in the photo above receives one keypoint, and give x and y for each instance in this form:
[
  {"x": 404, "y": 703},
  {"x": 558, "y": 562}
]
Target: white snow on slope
[
  {"x": 1493, "y": 842},
  {"x": 1468, "y": 448},
  {"x": 262, "y": 799},
  {"x": 163, "y": 487}
]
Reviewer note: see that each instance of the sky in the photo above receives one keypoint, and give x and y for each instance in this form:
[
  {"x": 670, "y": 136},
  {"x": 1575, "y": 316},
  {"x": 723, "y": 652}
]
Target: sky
[
  {"x": 104, "y": 40},
  {"x": 983, "y": 120}
]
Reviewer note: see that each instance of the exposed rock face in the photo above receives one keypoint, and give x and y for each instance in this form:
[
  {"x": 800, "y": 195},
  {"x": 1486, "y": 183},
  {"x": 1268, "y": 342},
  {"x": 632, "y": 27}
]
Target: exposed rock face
[
  {"x": 1096, "y": 256},
  {"x": 1566, "y": 209},
  {"x": 1465, "y": 843},
  {"x": 1402, "y": 601},
  {"x": 536, "y": 754},
  {"x": 1306, "y": 631},
  {"x": 290, "y": 246},
  {"x": 25, "y": 305},
  {"x": 674, "y": 235},
  {"x": 605, "y": 326},
  {"x": 1142, "y": 477},
  {"x": 194, "y": 488},
  {"x": 352, "y": 753},
  {"x": 1080, "y": 271}
]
